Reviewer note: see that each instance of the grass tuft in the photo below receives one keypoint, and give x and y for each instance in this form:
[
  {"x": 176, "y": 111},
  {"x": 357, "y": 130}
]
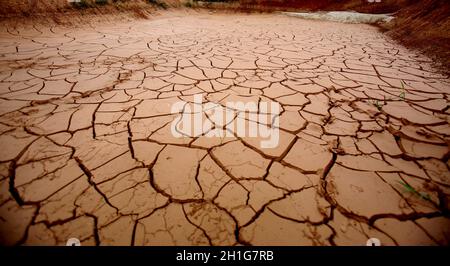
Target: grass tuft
[{"x": 410, "y": 189}]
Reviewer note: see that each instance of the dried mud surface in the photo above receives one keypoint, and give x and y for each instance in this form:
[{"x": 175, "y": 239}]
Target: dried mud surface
[{"x": 87, "y": 152}]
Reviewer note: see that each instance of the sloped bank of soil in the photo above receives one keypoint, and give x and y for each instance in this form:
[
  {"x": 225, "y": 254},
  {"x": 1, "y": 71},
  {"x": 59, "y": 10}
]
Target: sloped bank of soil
[
  {"x": 63, "y": 12},
  {"x": 426, "y": 26}
]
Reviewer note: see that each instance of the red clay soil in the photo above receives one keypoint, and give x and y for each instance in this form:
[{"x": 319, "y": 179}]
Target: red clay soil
[
  {"x": 425, "y": 25},
  {"x": 87, "y": 149},
  {"x": 61, "y": 12},
  {"x": 419, "y": 24},
  {"x": 385, "y": 6},
  {"x": 42, "y": 8}
]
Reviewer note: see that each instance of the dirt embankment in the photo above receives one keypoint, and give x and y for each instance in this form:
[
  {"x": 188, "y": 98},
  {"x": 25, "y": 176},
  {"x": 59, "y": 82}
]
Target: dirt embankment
[
  {"x": 62, "y": 12},
  {"x": 424, "y": 25},
  {"x": 421, "y": 24}
]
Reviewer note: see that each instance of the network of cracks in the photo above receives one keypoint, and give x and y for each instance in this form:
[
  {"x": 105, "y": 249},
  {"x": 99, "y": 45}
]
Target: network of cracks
[{"x": 86, "y": 148}]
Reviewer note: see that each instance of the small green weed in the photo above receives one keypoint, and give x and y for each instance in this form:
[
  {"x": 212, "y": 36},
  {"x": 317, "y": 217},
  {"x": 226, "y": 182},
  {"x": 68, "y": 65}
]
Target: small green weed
[
  {"x": 412, "y": 190},
  {"x": 378, "y": 104}
]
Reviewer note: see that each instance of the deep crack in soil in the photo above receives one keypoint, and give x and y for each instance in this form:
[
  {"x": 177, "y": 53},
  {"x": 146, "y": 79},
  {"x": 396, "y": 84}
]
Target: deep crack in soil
[{"x": 87, "y": 152}]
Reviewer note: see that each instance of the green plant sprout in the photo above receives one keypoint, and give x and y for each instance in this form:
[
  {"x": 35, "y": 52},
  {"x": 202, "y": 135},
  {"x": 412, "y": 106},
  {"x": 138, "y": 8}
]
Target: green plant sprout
[
  {"x": 412, "y": 190},
  {"x": 379, "y": 105},
  {"x": 376, "y": 103}
]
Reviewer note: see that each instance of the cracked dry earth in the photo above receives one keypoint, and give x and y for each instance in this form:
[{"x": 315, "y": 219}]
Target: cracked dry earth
[{"x": 87, "y": 151}]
